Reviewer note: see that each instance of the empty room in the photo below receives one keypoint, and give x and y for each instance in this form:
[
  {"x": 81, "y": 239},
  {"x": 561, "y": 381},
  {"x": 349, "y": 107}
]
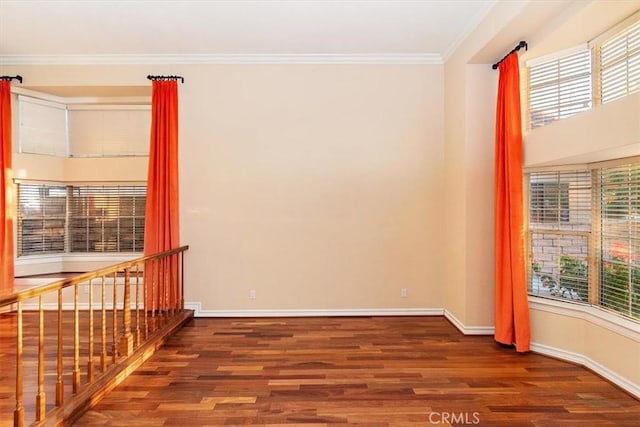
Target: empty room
[{"x": 317, "y": 212}]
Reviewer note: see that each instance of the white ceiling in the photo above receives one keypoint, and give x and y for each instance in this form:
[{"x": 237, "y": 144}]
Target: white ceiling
[{"x": 35, "y": 31}]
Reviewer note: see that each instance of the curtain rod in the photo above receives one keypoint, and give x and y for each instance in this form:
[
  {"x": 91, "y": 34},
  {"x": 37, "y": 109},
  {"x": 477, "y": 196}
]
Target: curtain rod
[
  {"x": 522, "y": 44},
  {"x": 150, "y": 77},
  {"x": 17, "y": 77}
]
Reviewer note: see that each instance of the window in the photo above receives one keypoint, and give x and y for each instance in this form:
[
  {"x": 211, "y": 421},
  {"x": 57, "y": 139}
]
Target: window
[
  {"x": 559, "y": 87},
  {"x": 86, "y": 218},
  {"x": 565, "y": 83},
  {"x": 41, "y": 218},
  {"x": 560, "y": 222},
  {"x": 42, "y": 127},
  {"x": 620, "y": 239},
  {"x": 566, "y": 233},
  {"x": 620, "y": 64},
  {"x": 106, "y": 218}
]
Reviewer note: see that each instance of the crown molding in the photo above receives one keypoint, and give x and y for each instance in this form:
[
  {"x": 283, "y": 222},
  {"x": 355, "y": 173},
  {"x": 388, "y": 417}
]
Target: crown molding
[
  {"x": 471, "y": 26},
  {"x": 410, "y": 58}
]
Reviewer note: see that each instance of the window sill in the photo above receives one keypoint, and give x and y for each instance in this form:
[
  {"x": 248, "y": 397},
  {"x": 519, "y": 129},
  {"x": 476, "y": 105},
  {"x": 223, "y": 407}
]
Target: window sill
[
  {"x": 594, "y": 315},
  {"x": 78, "y": 257}
]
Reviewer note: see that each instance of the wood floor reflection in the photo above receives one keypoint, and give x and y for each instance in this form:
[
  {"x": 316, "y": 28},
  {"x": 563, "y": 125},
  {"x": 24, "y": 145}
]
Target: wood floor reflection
[{"x": 372, "y": 371}]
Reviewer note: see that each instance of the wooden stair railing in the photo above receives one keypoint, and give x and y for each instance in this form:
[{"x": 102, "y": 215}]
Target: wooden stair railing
[{"x": 146, "y": 305}]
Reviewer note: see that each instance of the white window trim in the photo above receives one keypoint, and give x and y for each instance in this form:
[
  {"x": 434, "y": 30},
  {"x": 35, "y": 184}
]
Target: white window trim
[
  {"x": 557, "y": 55},
  {"x": 613, "y": 31}
]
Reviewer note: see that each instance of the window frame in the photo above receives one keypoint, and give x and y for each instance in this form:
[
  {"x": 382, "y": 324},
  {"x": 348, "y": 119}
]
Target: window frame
[
  {"x": 550, "y": 84},
  {"x": 68, "y": 216},
  {"x": 594, "y": 47},
  {"x": 596, "y": 249}
]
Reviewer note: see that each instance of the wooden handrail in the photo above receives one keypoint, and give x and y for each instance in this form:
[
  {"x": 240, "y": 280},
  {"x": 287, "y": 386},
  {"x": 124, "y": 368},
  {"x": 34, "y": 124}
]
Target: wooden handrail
[
  {"x": 159, "y": 306},
  {"x": 84, "y": 277}
]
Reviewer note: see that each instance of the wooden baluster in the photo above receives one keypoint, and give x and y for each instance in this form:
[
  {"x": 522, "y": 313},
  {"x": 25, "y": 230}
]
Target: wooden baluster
[
  {"x": 169, "y": 274},
  {"x": 126, "y": 339},
  {"x": 174, "y": 284},
  {"x": 76, "y": 341},
  {"x": 18, "y": 413},
  {"x": 182, "y": 280},
  {"x": 146, "y": 281},
  {"x": 114, "y": 318},
  {"x": 137, "y": 334},
  {"x": 103, "y": 326},
  {"x": 41, "y": 402},
  {"x": 160, "y": 289},
  {"x": 59, "y": 381},
  {"x": 165, "y": 289},
  {"x": 153, "y": 272},
  {"x": 90, "y": 364}
]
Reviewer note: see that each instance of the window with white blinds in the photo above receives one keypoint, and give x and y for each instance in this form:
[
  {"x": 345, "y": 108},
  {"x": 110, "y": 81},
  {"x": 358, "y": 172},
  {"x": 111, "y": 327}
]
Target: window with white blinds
[
  {"x": 565, "y": 234},
  {"x": 106, "y": 218},
  {"x": 566, "y": 83},
  {"x": 620, "y": 239},
  {"x": 559, "y": 87},
  {"x": 560, "y": 224},
  {"x": 41, "y": 219},
  {"x": 619, "y": 59},
  {"x": 83, "y": 218}
]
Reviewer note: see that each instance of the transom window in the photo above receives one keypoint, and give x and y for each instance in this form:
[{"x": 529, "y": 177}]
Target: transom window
[{"x": 568, "y": 82}]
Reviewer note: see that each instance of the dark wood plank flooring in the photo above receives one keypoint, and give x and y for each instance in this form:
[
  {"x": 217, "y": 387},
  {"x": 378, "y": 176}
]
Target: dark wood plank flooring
[{"x": 372, "y": 371}]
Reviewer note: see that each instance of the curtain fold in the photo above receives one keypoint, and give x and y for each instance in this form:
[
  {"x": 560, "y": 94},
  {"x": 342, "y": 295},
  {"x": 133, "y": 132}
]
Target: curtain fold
[
  {"x": 511, "y": 301},
  {"x": 161, "y": 231},
  {"x": 6, "y": 191}
]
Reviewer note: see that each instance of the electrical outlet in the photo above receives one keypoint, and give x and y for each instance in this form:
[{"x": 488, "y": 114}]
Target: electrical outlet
[
  {"x": 252, "y": 294},
  {"x": 404, "y": 293}
]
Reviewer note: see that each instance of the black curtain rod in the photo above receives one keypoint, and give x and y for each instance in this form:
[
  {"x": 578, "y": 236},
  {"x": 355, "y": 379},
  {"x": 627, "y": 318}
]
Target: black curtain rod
[
  {"x": 522, "y": 44},
  {"x": 150, "y": 77},
  {"x": 9, "y": 78}
]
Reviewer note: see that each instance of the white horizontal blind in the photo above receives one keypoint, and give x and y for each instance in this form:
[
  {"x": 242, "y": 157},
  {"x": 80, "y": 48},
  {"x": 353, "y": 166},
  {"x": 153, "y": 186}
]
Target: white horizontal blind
[
  {"x": 109, "y": 131},
  {"x": 41, "y": 219},
  {"x": 42, "y": 127},
  {"x": 106, "y": 218},
  {"x": 620, "y": 239},
  {"x": 560, "y": 223},
  {"x": 560, "y": 200},
  {"x": 559, "y": 88},
  {"x": 86, "y": 218},
  {"x": 620, "y": 64}
]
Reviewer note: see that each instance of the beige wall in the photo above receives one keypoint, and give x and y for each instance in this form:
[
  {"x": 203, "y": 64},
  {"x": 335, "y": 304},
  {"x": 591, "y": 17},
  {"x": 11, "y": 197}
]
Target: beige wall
[{"x": 317, "y": 186}]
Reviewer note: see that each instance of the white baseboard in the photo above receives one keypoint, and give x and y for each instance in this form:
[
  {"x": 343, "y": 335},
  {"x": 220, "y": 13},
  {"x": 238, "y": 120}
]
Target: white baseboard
[
  {"x": 589, "y": 363},
  {"x": 199, "y": 312},
  {"x": 468, "y": 330}
]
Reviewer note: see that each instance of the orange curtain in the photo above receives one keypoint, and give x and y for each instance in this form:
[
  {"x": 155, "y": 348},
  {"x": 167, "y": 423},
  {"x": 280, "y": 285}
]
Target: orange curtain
[
  {"x": 511, "y": 304},
  {"x": 161, "y": 231},
  {"x": 6, "y": 191}
]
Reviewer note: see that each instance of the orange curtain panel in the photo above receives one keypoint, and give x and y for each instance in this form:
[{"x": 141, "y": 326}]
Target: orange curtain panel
[
  {"x": 511, "y": 305},
  {"x": 161, "y": 231},
  {"x": 6, "y": 191}
]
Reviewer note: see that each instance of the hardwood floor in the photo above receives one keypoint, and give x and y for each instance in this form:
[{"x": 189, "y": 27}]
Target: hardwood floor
[{"x": 372, "y": 371}]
